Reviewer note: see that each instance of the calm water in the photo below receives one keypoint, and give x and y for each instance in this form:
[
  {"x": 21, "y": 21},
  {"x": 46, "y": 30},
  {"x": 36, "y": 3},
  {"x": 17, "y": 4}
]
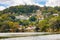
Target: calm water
[{"x": 45, "y": 37}]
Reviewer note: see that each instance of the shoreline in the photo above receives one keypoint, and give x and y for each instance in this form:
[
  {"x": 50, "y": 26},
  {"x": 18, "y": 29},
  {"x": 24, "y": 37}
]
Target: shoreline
[{"x": 13, "y": 35}]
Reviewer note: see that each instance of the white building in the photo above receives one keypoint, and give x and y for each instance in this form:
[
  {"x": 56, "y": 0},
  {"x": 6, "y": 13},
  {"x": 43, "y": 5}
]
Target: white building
[
  {"x": 39, "y": 15},
  {"x": 22, "y": 17},
  {"x": 55, "y": 14}
]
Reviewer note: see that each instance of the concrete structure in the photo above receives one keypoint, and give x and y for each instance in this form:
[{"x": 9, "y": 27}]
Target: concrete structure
[
  {"x": 55, "y": 15},
  {"x": 39, "y": 15},
  {"x": 22, "y": 17}
]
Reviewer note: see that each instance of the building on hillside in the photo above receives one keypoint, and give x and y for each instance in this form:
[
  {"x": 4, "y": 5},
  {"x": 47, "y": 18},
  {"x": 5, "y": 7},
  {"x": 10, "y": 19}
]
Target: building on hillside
[
  {"x": 22, "y": 17},
  {"x": 39, "y": 15},
  {"x": 55, "y": 14},
  {"x": 30, "y": 28}
]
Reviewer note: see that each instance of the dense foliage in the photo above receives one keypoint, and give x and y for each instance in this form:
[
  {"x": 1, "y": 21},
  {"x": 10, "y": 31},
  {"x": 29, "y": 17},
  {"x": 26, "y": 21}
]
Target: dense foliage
[
  {"x": 50, "y": 23},
  {"x": 22, "y": 9}
]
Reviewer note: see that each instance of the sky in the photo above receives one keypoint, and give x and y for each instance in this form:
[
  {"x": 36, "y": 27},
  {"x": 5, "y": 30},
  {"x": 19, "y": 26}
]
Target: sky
[{"x": 7, "y": 3}]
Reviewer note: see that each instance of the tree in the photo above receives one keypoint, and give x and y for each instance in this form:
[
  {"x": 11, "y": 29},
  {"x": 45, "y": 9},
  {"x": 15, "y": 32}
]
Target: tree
[
  {"x": 24, "y": 22},
  {"x": 33, "y": 18},
  {"x": 43, "y": 24},
  {"x": 55, "y": 23}
]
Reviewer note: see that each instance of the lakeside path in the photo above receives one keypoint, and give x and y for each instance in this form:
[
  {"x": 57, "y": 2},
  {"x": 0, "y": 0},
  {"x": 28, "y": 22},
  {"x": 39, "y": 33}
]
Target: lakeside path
[
  {"x": 44, "y": 37},
  {"x": 30, "y": 36},
  {"x": 22, "y": 34}
]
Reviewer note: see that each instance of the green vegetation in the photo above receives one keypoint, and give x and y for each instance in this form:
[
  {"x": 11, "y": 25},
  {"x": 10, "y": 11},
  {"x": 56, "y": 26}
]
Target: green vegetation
[
  {"x": 34, "y": 23},
  {"x": 22, "y": 9},
  {"x": 33, "y": 18}
]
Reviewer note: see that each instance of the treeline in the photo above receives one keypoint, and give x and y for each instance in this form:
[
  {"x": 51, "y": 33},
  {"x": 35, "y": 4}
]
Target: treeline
[
  {"x": 52, "y": 10},
  {"x": 22, "y": 9},
  {"x": 30, "y": 9}
]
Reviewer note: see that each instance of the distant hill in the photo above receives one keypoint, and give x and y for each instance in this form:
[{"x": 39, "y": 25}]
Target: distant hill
[
  {"x": 29, "y": 9},
  {"x": 22, "y": 9}
]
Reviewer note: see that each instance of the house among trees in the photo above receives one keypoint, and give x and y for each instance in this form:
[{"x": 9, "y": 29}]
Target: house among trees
[
  {"x": 55, "y": 14},
  {"x": 39, "y": 15},
  {"x": 47, "y": 14},
  {"x": 30, "y": 28},
  {"x": 22, "y": 17}
]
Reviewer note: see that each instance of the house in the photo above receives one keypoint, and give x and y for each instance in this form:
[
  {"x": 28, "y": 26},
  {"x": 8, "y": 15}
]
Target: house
[
  {"x": 22, "y": 17},
  {"x": 55, "y": 14},
  {"x": 30, "y": 29},
  {"x": 39, "y": 15},
  {"x": 47, "y": 14}
]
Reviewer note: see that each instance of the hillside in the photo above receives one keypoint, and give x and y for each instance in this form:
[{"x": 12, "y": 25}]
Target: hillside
[
  {"x": 29, "y": 9},
  {"x": 44, "y": 19},
  {"x": 22, "y": 9}
]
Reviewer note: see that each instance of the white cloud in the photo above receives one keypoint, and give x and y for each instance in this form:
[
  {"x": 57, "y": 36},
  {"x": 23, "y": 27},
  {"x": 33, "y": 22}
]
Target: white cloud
[
  {"x": 53, "y": 3},
  {"x": 23, "y": 2},
  {"x": 2, "y": 8},
  {"x": 3, "y": 0},
  {"x": 18, "y": 2},
  {"x": 30, "y": 2}
]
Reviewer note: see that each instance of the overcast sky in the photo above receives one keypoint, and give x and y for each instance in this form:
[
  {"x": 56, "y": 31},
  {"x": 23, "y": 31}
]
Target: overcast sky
[{"x": 7, "y": 3}]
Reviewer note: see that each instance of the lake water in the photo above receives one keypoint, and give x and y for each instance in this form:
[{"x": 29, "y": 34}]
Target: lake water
[{"x": 43, "y": 37}]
